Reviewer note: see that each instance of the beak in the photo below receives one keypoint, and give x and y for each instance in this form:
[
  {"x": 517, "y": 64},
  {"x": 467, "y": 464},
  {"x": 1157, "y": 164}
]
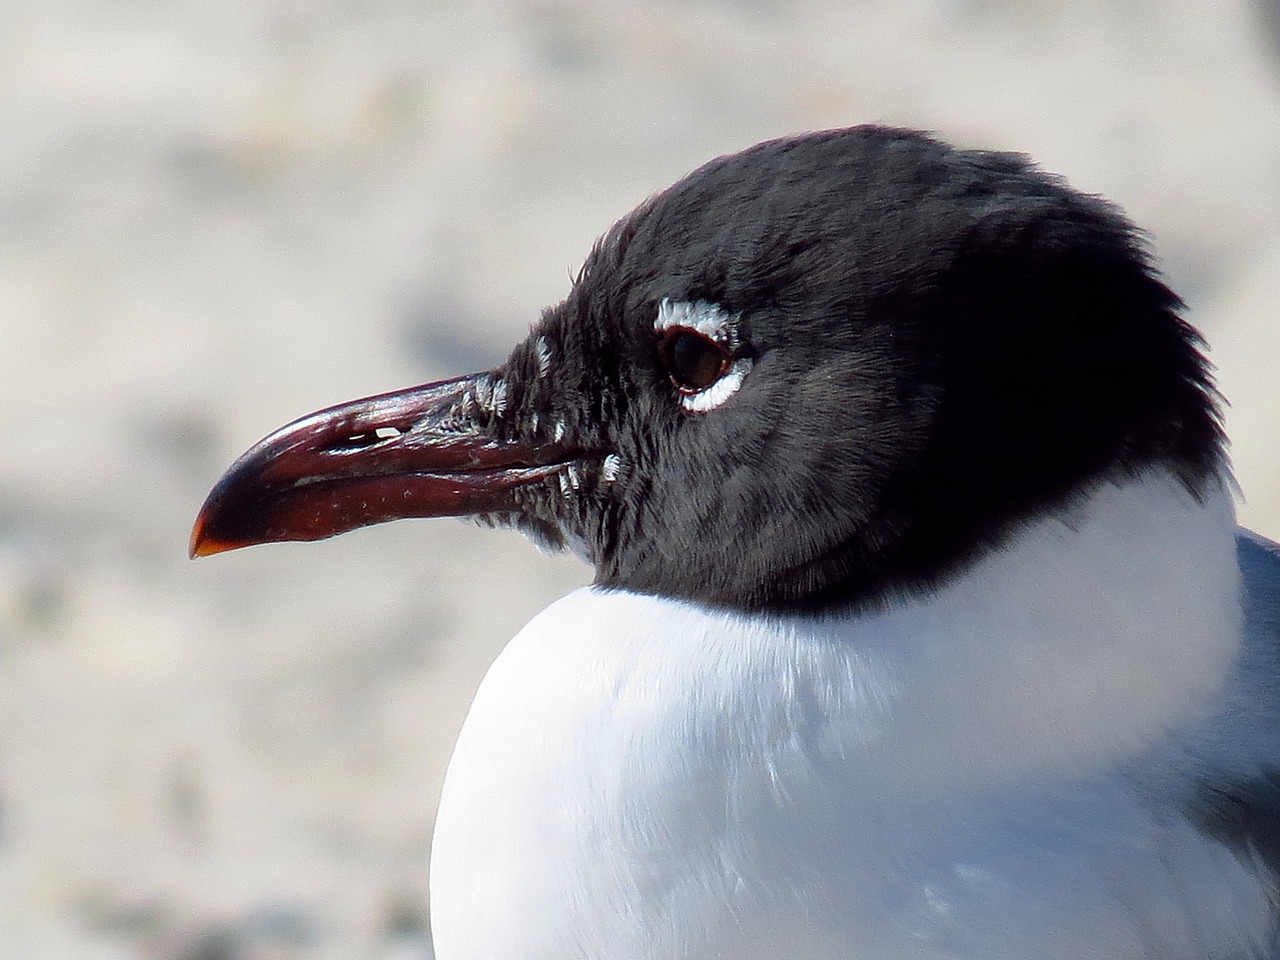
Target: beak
[{"x": 413, "y": 453}]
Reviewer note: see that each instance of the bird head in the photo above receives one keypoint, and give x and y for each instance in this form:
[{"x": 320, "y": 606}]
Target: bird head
[{"x": 824, "y": 372}]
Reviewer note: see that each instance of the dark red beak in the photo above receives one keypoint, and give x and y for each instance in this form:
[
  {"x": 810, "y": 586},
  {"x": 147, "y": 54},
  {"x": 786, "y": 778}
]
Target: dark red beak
[{"x": 412, "y": 453}]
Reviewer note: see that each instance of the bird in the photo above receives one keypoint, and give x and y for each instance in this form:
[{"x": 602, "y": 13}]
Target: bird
[{"x": 920, "y": 627}]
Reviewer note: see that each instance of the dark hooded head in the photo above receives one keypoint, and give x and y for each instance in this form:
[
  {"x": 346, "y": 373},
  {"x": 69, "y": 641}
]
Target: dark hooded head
[{"x": 823, "y": 372}]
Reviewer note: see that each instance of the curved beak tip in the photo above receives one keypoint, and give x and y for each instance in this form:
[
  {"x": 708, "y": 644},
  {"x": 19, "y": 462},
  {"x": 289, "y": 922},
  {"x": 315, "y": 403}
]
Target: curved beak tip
[
  {"x": 219, "y": 526},
  {"x": 203, "y": 545}
]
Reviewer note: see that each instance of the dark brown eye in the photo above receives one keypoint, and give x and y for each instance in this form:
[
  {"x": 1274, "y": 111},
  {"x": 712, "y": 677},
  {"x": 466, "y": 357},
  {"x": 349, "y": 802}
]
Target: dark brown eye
[{"x": 693, "y": 360}]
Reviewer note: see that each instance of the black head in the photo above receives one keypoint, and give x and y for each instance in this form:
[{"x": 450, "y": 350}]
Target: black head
[
  {"x": 942, "y": 344},
  {"x": 836, "y": 368}
]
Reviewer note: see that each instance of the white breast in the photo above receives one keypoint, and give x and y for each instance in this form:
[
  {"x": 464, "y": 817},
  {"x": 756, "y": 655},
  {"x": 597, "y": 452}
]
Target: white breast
[{"x": 640, "y": 778}]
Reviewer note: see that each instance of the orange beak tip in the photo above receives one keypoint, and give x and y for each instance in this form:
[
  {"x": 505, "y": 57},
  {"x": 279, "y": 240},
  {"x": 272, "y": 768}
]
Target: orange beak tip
[{"x": 202, "y": 545}]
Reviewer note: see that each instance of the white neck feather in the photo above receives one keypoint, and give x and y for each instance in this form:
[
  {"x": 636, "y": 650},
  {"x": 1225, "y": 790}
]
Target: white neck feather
[
  {"x": 1094, "y": 633},
  {"x": 629, "y": 756}
]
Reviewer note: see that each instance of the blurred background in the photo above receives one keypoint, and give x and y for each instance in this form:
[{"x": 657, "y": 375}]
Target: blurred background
[{"x": 215, "y": 217}]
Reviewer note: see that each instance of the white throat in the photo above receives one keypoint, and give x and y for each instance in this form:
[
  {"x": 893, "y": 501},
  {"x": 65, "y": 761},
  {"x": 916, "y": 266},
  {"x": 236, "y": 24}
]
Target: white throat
[{"x": 643, "y": 778}]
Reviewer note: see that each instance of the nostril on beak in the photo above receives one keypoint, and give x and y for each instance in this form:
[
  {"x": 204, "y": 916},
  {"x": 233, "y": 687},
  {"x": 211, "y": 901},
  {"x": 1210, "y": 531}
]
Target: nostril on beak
[{"x": 362, "y": 440}]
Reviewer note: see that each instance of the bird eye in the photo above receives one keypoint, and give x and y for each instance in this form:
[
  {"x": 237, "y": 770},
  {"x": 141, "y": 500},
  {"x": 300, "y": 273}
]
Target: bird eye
[{"x": 693, "y": 360}]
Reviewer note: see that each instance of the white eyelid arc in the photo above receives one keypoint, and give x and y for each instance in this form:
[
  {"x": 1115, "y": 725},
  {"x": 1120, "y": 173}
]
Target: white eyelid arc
[
  {"x": 706, "y": 318},
  {"x": 713, "y": 321},
  {"x": 711, "y": 397}
]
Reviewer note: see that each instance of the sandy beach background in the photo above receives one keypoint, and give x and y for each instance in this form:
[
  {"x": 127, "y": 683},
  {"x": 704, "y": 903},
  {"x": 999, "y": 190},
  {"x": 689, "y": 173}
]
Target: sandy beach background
[{"x": 215, "y": 217}]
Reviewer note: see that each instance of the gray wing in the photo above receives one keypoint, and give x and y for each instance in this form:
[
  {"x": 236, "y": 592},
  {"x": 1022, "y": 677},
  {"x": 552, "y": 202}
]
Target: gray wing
[
  {"x": 1260, "y": 566},
  {"x": 1236, "y": 796}
]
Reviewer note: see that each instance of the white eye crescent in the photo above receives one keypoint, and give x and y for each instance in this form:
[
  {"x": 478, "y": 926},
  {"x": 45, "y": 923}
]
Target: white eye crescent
[{"x": 697, "y": 347}]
